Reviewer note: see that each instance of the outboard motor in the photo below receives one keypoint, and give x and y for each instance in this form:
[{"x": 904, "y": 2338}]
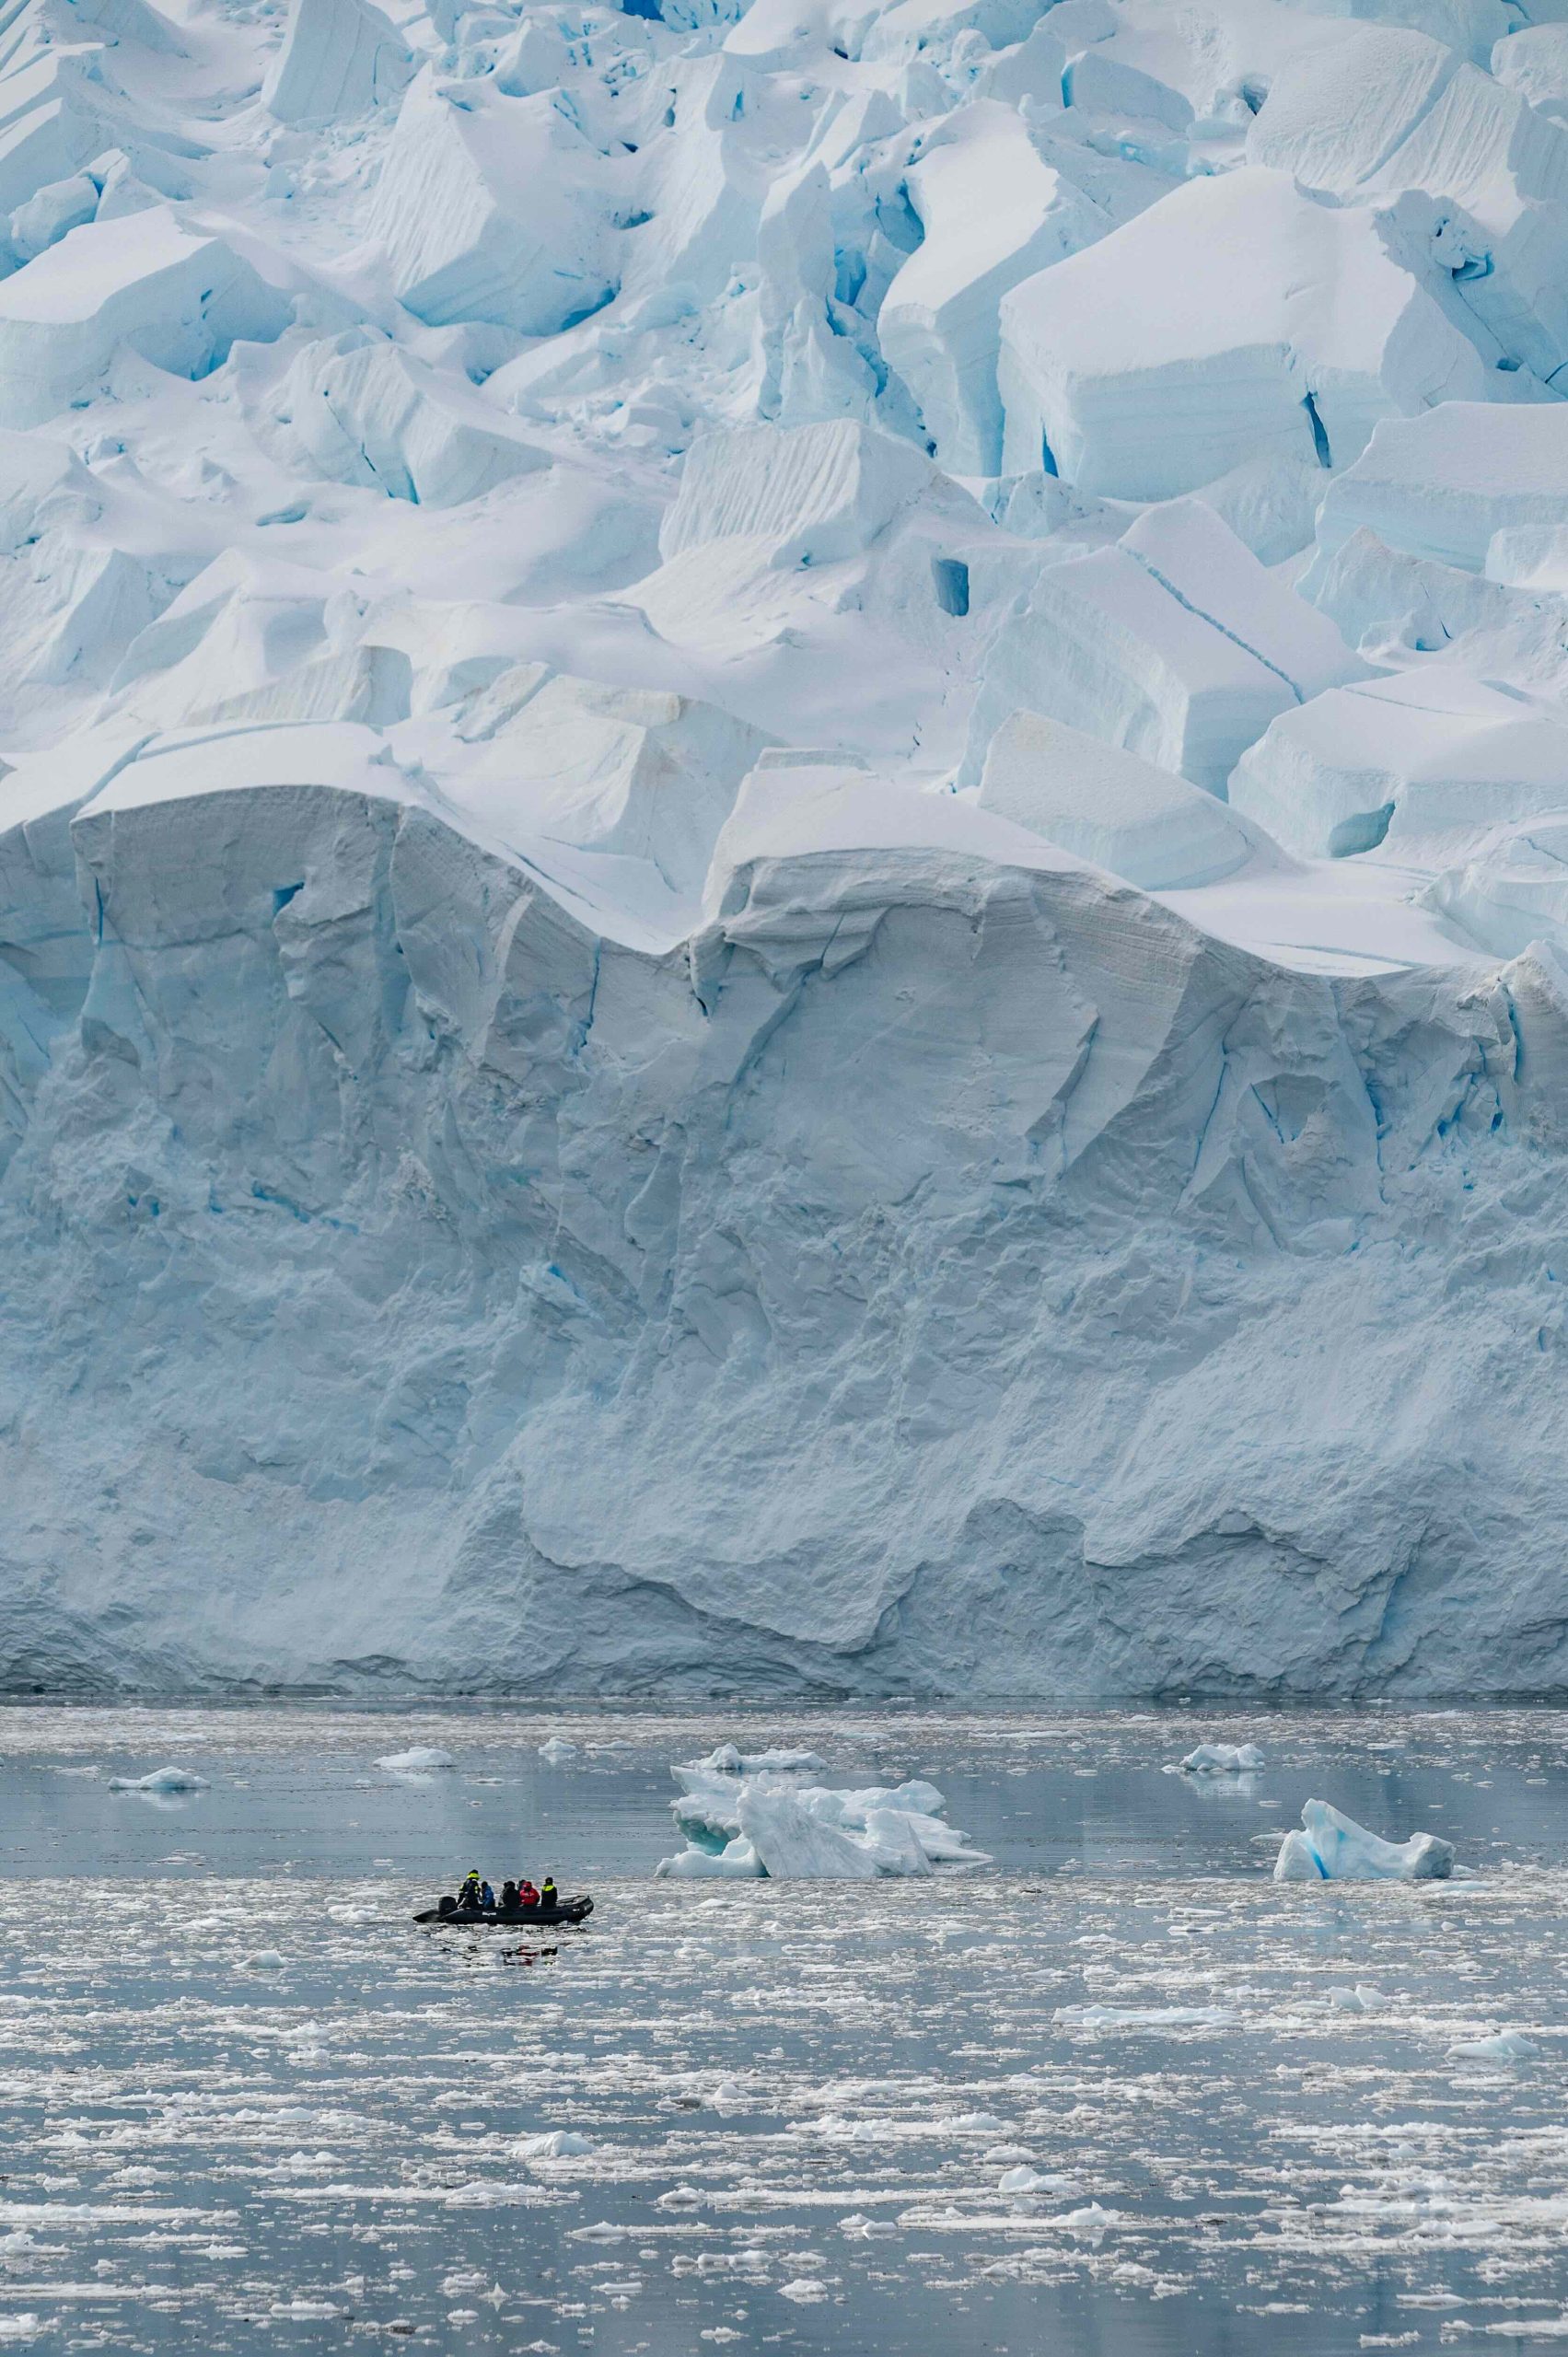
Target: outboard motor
[{"x": 448, "y": 1905}]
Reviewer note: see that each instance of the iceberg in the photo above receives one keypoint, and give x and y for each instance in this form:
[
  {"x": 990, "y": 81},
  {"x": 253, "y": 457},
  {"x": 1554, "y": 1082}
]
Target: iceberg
[
  {"x": 160, "y": 1780},
  {"x": 1223, "y": 1759},
  {"x": 754, "y": 1818},
  {"x": 1332, "y": 1847},
  {"x": 1502, "y": 2046},
  {"x": 420, "y": 1759}
]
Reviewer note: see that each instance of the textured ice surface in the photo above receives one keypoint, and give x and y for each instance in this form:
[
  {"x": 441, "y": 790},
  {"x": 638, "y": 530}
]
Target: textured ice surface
[{"x": 781, "y": 845}]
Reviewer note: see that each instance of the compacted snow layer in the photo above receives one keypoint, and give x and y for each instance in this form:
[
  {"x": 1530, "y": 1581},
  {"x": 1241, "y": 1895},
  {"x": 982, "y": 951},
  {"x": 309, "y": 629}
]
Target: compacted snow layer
[{"x": 780, "y": 845}]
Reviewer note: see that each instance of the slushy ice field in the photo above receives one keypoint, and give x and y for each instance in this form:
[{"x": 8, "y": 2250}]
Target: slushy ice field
[{"x": 246, "y": 2102}]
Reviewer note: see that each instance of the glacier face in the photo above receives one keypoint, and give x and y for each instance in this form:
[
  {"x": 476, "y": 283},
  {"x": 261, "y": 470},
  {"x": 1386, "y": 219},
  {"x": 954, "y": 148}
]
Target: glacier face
[{"x": 780, "y": 854}]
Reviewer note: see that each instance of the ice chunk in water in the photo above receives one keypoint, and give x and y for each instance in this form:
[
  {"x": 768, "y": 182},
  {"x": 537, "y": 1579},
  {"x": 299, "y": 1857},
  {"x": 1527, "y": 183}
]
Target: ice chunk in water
[
  {"x": 726, "y": 1760},
  {"x": 742, "y": 1819},
  {"x": 1504, "y": 2046},
  {"x": 1332, "y": 1847},
  {"x": 556, "y": 1749},
  {"x": 1222, "y": 1759},
  {"x": 160, "y": 1780},
  {"x": 417, "y": 1761}
]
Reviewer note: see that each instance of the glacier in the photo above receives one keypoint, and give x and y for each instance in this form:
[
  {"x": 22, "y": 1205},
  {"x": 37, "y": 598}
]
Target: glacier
[{"x": 783, "y": 834}]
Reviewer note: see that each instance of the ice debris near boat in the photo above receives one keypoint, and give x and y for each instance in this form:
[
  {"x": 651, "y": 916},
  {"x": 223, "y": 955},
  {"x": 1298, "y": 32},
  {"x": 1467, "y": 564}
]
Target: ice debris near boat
[
  {"x": 745, "y": 1818},
  {"x": 1330, "y": 1846},
  {"x": 160, "y": 1780},
  {"x": 1223, "y": 1759},
  {"x": 782, "y": 847}
]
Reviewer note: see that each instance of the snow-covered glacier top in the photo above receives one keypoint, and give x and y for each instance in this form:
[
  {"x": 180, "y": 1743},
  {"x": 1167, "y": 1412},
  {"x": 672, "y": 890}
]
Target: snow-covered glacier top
[{"x": 783, "y": 845}]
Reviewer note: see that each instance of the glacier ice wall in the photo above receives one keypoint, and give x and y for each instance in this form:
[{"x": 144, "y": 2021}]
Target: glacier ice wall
[{"x": 782, "y": 844}]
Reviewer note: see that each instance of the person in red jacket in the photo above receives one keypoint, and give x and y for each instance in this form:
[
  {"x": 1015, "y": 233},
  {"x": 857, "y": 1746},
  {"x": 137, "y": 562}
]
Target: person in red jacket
[{"x": 527, "y": 1895}]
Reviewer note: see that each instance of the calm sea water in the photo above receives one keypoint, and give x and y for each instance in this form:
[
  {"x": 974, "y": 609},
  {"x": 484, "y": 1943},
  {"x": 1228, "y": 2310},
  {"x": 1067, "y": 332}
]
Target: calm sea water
[{"x": 246, "y": 2104}]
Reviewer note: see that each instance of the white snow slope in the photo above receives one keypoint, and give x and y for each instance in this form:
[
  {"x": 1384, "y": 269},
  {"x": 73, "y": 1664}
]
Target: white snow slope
[{"x": 657, "y": 1030}]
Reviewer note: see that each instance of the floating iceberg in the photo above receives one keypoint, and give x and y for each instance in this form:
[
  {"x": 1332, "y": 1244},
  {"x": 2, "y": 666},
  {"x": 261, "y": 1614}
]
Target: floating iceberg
[
  {"x": 418, "y": 1761},
  {"x": 746, "y": 1820},
  {"x": 1332, "y": 1848},
  {"x": 553, "y": 2144},
  {"x": 555, "y": 1750},
  {"x": 726, "y": 1760},
  {"x": 1503, "y": 2046},
  {"x": 160, "y": 1780},
  {"x": 1223, "y": 1759}
]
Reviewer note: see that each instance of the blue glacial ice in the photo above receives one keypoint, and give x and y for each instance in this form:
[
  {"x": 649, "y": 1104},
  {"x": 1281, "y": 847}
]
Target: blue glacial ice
[{"x": 782, "y": 849}]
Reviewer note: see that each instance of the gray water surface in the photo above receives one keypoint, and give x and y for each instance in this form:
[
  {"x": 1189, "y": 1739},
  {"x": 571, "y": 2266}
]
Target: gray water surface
[{"x": 246, "y": 2104}]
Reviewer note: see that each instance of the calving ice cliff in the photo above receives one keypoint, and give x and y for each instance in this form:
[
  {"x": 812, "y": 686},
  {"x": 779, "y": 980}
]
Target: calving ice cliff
[{"x": 784, "y": 865}]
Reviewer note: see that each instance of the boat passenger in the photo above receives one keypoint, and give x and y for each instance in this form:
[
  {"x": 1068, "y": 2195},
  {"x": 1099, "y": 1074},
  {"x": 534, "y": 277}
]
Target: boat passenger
[
  {"x": 527, "y": 1895},
  {"x": 468, "y": 1896},
  {"x": 508, "y": 1896},
  {"x": 486, "y": 1896},
  {"x": 549, "y": 1894}
]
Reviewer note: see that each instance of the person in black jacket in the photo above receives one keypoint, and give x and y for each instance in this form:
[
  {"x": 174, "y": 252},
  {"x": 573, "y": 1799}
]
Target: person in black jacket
[{"x": 548, "y": 1894}]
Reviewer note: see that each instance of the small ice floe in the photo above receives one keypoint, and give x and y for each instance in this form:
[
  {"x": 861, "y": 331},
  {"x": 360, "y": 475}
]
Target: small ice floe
[
  {"x": 726, "y": 1760},
  {"x": 1332, "y": 1847},
  {"x": 558, "y": 2144},
  {"x": 264, "y": 1961},
  {"x": 1359, "y": 2000},
  {"x": 1022, "y": 2180},
  {"x": 424, "y": 1759},
  {"x": 745, "y": 1821},
  {"x": 1223, "y": 1759},
  {"x": 804, "y": 2290},
  {"x": 835, "y": 2130},
  {"x": 1505, "y": 2045},
  {"x": 557, "y": 1749},
  {"x": 162, "y": 1779}
]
